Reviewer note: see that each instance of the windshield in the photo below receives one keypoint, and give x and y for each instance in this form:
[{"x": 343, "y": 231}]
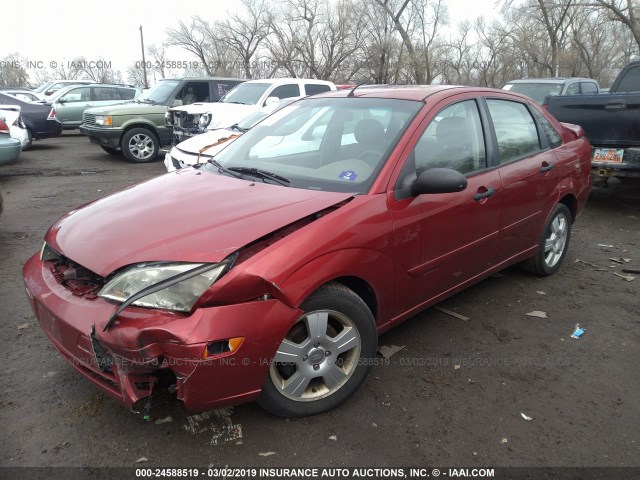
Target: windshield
[
  {"x": 55, "y": 96},
  {"x": 329, "y": 144},
  {"x": 535, "y": 91},
  {"x": 249, "y": 121},
  {"x": 43, "y": 87},
  {"x": 245, "y": 93},
  {"x": 160, "y": 92}
]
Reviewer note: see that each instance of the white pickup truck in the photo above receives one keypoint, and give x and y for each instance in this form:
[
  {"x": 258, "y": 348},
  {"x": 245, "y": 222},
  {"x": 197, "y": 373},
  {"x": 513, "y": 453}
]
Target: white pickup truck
[{"x": 238, "y": 103}]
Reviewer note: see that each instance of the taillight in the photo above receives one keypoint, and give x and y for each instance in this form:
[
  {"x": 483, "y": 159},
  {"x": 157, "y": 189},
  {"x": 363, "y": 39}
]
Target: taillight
[
  {"x": 52, "y": 114},
  {"x": 4, "y": 128}
]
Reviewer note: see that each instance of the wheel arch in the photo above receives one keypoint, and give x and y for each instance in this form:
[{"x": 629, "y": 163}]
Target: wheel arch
[
  {"x": 367, "y": 275},
  {"x": 360, "y": 287},
  {"x": 571, "y": 202},
  {"x": 146, "y": 125}
]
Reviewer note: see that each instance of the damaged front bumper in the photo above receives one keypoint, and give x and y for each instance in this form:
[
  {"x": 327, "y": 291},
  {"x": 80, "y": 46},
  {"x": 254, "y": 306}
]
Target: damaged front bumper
[
  {"x": 149, "y": 349},
  {"x": 186, "y": 125}
]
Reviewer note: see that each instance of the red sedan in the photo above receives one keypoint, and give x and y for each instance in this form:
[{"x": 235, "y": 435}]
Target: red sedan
[{"x": 267, "y": 272}]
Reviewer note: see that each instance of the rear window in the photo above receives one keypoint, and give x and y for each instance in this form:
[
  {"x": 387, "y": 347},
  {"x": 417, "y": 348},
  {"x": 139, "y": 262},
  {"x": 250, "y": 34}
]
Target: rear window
[
  {"x": 535, "y": 91},
  {"x": 631, "y": 81},
  {"x": 313, "y": 88}
]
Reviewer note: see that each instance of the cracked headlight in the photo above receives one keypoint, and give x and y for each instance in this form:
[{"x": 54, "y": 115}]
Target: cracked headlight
[
  {"x": 205, "y": 120},
  {"x": 180, "y": 294}
]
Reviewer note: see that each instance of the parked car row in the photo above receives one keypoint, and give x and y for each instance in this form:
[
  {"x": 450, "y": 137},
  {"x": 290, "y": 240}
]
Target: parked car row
[
  {"x": 137, "y": 129},
  {"x": 35, "y": 117}
]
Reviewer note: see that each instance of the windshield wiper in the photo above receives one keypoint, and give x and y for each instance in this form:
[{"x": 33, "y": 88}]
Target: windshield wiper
[
  {"x": 238, "y": 128},
  {"x": 264, "y": 174},
  {"x": 222, "y": 169}
]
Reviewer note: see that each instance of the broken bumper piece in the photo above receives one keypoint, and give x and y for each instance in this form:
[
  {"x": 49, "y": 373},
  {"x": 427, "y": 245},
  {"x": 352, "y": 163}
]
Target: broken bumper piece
[{"x": 147, "y": 349}]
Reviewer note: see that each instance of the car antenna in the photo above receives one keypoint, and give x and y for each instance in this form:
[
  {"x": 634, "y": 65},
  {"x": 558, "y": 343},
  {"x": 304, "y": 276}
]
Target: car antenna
[{"x": 354, "y": 89}]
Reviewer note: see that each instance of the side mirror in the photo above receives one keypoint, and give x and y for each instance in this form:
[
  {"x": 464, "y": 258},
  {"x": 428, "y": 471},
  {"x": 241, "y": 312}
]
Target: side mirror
[
  {"x": 62, "y": 100},
  {"x": 177, "y": 103},
  {"x": 271, "y": 101},
  {"x": 49, "y": 92},
  {"x": 439, "y": 180}
]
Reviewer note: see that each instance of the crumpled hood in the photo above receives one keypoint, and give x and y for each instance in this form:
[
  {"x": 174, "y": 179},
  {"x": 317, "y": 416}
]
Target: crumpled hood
[
  {"x": 189, "y": 216},
  {"x": 197, "y": 142}
]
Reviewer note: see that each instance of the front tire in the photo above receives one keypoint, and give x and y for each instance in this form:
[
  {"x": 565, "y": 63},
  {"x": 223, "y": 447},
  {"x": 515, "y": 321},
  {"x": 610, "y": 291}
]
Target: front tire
[
  {"x": 111, "y": 151},
  {"x": 140, "y": 145},
  {"x": 324, "y": 357},
  {"x": 554, "y": 243}
]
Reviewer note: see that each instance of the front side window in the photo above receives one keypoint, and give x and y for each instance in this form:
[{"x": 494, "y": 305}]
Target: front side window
[
  {"x": 515, "y": 129},
  {"x": 82, "y": 94},
  {"x": 573, "y": 89},
  {"x": 589, "y": 88},
  {"x": 160, "y": 93},
  {"x": 453, "y": 139},
  {"x": 315, "y": 144}
]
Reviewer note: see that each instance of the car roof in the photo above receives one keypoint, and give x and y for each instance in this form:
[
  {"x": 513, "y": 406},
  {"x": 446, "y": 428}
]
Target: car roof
[
  {"x": 401, "y": 92},
  {"x": 553, "y": 80},
  {"x": 278, "y": 81},
  {"x": 202, "y": 79}
]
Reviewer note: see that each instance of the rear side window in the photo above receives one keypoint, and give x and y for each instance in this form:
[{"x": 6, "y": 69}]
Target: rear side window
[
  {"x": 220, "y": 89},
  {"x": 515, "y": 129},
  {"x": 105, "y": 93},
  {"x": 127, "y": 93},
  {"x": 631, "y": 81},
  {"x": 589, "y": 88},
  {"x": 286, "y": 91},
  {"x": 313, "y": 88},
  {"x": 554, "y": 138}
]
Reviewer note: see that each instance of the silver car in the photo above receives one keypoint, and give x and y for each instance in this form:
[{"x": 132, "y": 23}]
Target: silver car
[{"x": 69, "y": 104}]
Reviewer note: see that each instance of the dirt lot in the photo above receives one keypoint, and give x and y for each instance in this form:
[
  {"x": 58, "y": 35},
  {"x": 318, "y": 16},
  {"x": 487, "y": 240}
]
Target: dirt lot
[{"x": 453, "y": 396}]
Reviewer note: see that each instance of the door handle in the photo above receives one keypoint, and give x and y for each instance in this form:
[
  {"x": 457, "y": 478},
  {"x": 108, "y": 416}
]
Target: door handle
[
  {"x": 486, "y": 194},
  {"x": 546, "y": 167},
  {"x": 615, "y": 106}
]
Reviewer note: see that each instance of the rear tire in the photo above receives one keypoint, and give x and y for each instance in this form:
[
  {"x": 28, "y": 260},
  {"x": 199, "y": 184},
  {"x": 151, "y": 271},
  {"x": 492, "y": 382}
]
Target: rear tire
[
  {"x": 140, "y": 145},
  {"x": 554, "y": 243},
  {"x": 324, "y": 357},
  {"x": 29, "y": 141}
]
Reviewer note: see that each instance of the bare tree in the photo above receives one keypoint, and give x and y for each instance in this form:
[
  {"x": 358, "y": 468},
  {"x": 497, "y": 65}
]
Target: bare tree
[
  {"x": 625, "y": 11},
  {"x": 69, "y": 70},
  {"x": 418, "y": 23},
  {"x": 158, "y": 58},
  {"x": 12, "y": 71},
  {"x": 135, "y": 75},
  {"x": 194, "y": 38},
  {"x": 244, "y": 33}
]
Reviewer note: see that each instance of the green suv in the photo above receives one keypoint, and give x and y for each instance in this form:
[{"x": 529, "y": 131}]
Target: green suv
[{"x": 137, "y": 129}]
